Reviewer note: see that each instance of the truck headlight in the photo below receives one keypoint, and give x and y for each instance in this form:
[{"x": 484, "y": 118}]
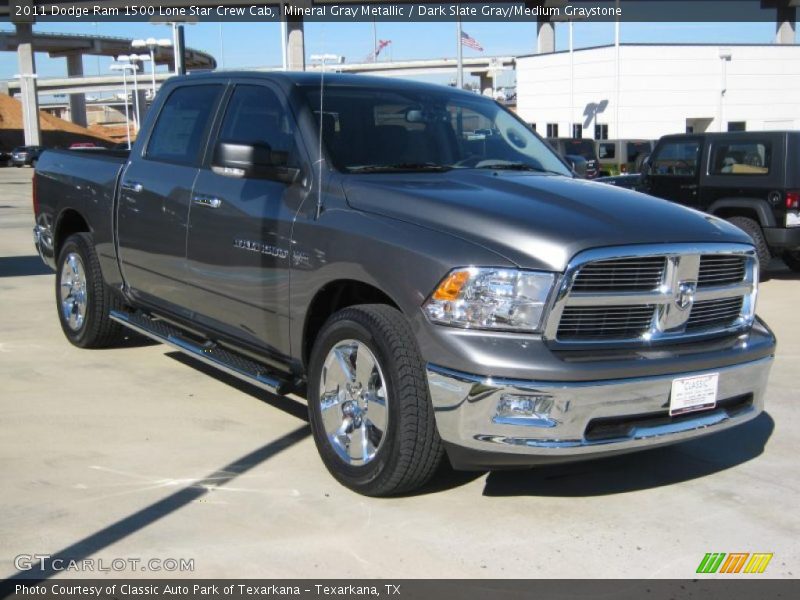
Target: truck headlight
[{"x": 489, "y": 298}]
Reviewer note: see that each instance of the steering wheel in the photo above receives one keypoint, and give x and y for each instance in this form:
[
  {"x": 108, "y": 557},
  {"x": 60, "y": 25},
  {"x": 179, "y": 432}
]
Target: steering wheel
[{"x": 681, "y": 165}]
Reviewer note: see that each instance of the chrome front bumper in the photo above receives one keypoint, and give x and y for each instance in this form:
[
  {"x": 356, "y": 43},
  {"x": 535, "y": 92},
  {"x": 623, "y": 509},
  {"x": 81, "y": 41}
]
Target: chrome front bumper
[{"x": 577, "y": 420}]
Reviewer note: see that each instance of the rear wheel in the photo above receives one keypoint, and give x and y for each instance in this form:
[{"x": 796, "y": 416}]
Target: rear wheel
[
  {"x": 82, "y": 297},
  {"x": 369, "y": 405},
  {"x": 792, "y": 260},
  {"x": 753, "y": 229}
]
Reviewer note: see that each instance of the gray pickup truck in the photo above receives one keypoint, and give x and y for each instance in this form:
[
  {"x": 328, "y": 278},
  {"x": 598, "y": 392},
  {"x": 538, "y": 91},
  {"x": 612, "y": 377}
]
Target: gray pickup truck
[{"x": 430, "y": 291}]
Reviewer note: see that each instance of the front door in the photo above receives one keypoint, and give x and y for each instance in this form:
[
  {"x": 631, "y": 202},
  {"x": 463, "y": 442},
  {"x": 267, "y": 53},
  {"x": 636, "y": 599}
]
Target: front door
[
  {"x": 239, "y": 245},
  {"x": 674, "y": 171},
  {"x": 154, "y": 197}
]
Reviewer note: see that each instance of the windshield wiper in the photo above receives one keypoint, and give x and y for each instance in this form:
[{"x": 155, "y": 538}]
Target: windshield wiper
[
  {"x": 517, "y": 166},
  {"x": 409, "y": 166}
]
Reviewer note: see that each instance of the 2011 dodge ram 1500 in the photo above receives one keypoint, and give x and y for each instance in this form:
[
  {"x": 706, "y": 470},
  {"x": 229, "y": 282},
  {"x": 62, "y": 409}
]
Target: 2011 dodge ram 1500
[{"x": 430, "y": 289}]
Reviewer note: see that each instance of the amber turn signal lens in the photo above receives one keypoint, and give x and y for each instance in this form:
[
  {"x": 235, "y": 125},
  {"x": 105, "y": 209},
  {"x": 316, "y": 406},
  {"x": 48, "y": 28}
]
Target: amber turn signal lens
[{"x": 450, "y": 288}]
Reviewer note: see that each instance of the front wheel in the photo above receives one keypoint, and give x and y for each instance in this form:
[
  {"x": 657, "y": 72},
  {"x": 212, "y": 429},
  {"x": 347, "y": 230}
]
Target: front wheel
[
  {"x": 369, "y": 406},
  {"x": 82, "y": 297},
  {"x": 792, "y": 260}
]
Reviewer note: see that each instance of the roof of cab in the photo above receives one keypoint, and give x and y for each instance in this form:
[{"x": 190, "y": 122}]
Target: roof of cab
[
  {"x": 730, "y": 134},
  {"x": 312, "y": 78}
]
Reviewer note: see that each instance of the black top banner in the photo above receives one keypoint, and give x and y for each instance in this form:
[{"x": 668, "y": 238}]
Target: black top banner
[{"x": 378, "y": 10}]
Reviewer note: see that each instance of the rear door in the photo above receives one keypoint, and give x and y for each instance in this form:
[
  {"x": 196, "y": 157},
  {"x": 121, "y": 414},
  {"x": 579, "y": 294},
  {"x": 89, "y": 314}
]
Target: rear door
[
  {"x": 155, "y": 191},
  {"x": 674, "y": 170},
  {"x": 747, "y": 165},
  {"x": 239, "y": 245}
]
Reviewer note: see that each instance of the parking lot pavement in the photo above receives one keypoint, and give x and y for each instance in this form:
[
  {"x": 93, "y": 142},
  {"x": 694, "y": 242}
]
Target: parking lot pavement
[{"x": 137, "y": 452}]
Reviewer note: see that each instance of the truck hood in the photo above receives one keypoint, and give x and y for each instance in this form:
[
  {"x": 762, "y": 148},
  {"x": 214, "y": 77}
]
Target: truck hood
[{"x": 535, "y": 221}]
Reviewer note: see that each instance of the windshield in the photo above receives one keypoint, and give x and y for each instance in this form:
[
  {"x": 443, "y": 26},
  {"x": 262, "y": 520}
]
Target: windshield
[{"x": 369, "y": 130}]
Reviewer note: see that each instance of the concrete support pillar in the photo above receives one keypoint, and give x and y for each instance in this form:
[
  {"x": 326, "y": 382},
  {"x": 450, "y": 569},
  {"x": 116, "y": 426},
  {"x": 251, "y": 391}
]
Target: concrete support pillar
[
  {"x": 545, "y": 36},
  {"x": 30, "y": 96},
  {"x": 784, "y": 26},
  {"x": 77, "y": 102},
  {"x": 486, "y": 84},
  {"x": 295, "y": 45}
]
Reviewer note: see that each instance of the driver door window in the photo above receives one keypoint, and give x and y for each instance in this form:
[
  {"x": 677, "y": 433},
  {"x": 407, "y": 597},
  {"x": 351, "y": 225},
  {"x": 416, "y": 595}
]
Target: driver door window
[{"x": 677, "y": 158}]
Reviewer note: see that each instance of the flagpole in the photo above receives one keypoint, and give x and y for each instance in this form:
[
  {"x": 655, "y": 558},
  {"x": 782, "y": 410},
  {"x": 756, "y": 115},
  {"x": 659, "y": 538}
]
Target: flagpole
[
  {"x": 460, "y": 71},
  {"x": 374, "y": 40}
]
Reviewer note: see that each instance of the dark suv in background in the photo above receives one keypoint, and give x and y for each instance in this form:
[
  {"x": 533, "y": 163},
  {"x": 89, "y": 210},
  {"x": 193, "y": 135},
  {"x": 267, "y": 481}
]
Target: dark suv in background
[
  {"x": 748, "y": 178},
  {"x": 569, "y": 148}
]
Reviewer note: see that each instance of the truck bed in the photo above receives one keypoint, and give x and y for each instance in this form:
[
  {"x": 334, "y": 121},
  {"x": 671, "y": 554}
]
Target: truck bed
[{"x": 84, "y": 183}]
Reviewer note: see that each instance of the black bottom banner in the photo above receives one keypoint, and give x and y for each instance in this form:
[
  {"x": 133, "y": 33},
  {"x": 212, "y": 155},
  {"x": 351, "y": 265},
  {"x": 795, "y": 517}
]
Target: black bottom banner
[{"x": 461, "y": 589}]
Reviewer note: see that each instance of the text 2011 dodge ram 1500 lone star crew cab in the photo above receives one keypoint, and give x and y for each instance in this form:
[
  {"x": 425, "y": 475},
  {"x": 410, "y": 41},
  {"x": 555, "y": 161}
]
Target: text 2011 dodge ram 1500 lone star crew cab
[{"x": 430, "y": 291}]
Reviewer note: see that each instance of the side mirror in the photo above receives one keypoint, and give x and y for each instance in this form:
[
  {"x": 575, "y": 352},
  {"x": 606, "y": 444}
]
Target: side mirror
[{"x": 254, "y": 161}]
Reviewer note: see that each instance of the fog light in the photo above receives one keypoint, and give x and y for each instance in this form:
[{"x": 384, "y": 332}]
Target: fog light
[{"x": 516, "y": 409}]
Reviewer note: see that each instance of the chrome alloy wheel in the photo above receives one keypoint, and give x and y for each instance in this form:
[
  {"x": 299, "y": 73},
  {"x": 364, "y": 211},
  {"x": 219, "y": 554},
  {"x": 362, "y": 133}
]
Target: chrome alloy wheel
[
  {"x": 353, "y": 402},
  {"x": 73, "y": 291}
]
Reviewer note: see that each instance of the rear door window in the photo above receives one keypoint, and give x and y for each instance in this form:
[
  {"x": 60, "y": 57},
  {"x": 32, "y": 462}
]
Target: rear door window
[
  {"x": 636, "y": 148},
  {"x": 607, "y": 150},
  {"x": 183, "y": 124},
  {"x": 741, "y": 158}
]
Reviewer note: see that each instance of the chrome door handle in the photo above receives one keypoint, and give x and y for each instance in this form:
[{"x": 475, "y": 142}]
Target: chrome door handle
[
  {"x": 132, "y": 186},
  {"x": 207, "y": 201}
]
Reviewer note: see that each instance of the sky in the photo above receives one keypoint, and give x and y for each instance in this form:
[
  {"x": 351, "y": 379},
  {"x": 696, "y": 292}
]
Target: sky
[{"x": 242, "y": 45}]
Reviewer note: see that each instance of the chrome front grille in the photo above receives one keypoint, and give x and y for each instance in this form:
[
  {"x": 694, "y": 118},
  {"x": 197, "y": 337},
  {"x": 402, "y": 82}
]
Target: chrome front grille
[
  {"x": 607, "y": 322},
  {"x": 721, "y": 269},
  {"x": 626, "y": 274},
  {"x": 649, "y": 293},
  {"x": 722, "y": 312}
]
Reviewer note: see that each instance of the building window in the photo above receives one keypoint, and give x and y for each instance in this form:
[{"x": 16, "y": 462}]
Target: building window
[
  {"x": 737, "y": 126},
  {"x": 552, "y": 130},
  {"x": 601, "y": 131},
  {"x": 533, "y": 126},
  {"x": 577, "y": 130}
]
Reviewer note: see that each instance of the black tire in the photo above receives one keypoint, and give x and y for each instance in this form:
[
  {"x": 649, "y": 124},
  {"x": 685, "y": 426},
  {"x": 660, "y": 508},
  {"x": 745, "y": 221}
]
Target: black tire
[
  {"x": 410, "y": 450},
  {"x": 96, "y": 330},
  {"x": 792, "y": 260},
  {"x": 753, "y": 229}
]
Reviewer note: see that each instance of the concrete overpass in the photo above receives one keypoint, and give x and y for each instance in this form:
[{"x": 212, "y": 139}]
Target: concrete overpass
[
  {"x": 480, "y": 67},
  {"x": 73, "y": 47}
]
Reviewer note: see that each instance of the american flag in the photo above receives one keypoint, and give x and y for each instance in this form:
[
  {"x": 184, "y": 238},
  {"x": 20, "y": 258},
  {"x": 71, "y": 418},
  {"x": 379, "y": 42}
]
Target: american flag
[
  {"x": 373, "y": 56},
  {"x": 470, "y": 42}
]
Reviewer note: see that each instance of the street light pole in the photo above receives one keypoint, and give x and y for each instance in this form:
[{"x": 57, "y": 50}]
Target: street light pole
[
  {"x": 134, "y": 60},
  {"x": 151, "y": 44},
  {"x": 124, "y": 69}
]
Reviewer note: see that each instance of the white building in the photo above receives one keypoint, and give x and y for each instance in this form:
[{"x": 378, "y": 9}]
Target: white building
[{"x": 652, "y": 90}]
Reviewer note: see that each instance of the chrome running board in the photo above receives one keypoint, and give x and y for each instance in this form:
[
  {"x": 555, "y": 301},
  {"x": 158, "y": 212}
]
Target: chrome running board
[{"x": 207, "y": 352}]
